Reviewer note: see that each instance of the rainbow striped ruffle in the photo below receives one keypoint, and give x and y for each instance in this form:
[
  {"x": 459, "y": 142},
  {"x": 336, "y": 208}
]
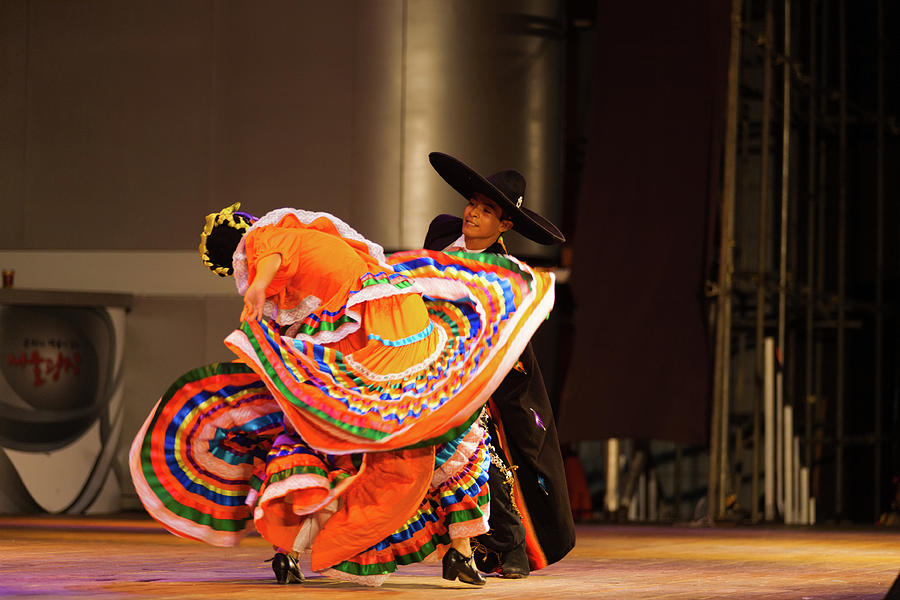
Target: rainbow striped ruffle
[{"x": 200, "y": 456}]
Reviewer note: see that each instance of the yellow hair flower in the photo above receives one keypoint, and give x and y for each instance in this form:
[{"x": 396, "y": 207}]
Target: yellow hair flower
[{"x": 225, "y": 217}]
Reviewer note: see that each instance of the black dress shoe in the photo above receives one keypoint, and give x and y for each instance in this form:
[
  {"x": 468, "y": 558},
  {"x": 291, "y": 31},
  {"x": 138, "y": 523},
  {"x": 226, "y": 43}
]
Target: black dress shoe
[
  {"x": 456, "y": 566},
  {"x": 514, "y": 564},
  {"x": 286, "y": 569}
]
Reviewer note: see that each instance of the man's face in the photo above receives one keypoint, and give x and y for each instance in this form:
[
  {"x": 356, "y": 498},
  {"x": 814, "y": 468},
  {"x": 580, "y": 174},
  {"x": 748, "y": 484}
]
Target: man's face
[{"x": 482, "y": 223}]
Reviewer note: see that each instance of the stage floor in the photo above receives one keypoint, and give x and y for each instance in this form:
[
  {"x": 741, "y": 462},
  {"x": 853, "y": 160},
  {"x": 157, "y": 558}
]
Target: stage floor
[{"x": 119, "y": 557}]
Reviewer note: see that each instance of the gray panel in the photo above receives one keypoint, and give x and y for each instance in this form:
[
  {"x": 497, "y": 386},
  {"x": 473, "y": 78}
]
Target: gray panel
[
  {"x": 377, "y": 121},
  {"x": 13, "y": 85},
  {"x": 486, "y": 87},
  {"x": 283, "y": 86},
  {"x": 118, "y": 123},
  {"x": 222, "y": 316}
]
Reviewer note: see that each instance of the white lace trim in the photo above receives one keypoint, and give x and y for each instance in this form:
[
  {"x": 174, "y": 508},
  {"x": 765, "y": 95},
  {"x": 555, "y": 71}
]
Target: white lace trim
[
  {"x": 439, "y": 348},
  {"x": 470, "y": 529},
  {"x": 327, "y": 336},
  {"x": 294, "y": 483},
  {"x": 239, "y": 264},
  {"x": 378, "y": 291},
  {"x": 445, "y": 289},
  {"x": 460, "y": 458},
  {"x": 369, "y": 580},
  {"x": 300, "y": 312}
]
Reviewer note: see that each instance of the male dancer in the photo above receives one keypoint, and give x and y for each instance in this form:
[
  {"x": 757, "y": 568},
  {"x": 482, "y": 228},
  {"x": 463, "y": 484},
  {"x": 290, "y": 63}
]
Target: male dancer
[{"x": 531, "y": 520}]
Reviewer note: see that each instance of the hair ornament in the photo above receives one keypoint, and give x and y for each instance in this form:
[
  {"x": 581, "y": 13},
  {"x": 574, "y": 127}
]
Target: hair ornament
[{"x": 221, "y": 233}]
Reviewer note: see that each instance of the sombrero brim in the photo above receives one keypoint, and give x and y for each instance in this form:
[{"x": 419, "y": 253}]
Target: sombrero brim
[{"x": 468, "y": 182}]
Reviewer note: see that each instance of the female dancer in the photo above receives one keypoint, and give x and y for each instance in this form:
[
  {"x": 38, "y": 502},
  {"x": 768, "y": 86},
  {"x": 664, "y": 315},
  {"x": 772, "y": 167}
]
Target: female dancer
[{"x": 348, "y": 424}]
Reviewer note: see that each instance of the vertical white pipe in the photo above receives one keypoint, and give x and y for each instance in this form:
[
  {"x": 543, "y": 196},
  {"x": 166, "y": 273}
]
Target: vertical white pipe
[
  {"x": 795, "y": 485},
  {"x": 652, "y": 497},
  {"x": 779, "y": 441},
  {"x": 633, "y": 506},
  {"x": 769, "y": 437},
  {"x": 788, "y": 470},
  {"x": 612, "y": 475},
  {"x": 804, "y": 495},
  {"x": 812, "y": 511},
  {"x": 642, "y": 497}
]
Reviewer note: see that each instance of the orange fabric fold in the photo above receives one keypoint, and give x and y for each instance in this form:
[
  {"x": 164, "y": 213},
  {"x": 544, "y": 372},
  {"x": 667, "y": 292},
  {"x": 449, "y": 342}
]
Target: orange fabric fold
[{"x": 383, "y": 498}]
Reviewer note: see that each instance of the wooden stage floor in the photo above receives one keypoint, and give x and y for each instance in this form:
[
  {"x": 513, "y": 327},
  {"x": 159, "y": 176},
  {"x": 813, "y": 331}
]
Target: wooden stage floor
[{"x": 118, "y": 557}]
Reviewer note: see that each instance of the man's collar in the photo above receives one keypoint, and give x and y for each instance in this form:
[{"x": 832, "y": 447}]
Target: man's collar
[{"x": 459, "y": 245}]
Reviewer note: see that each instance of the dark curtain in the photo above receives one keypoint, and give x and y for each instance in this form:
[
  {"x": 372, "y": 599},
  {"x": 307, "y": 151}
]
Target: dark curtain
[{"x": 642, "y": 360}]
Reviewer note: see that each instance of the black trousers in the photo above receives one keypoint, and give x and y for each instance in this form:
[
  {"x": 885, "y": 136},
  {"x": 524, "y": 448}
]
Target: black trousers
[{"x": 507, "y": 531}]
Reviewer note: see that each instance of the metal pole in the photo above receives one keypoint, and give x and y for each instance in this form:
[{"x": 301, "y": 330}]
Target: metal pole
[
  {"x": 782, "y": 270},
  {"x": 769, "y": 404},
  {"x": 717, "y": 462},
  {"x": 716, "y": 417},
  {"x": 810, "y": 246},
  {"x": 842, "y": 267},
  {"x": 612, "y": 477},
  {"x": 761, "y": 252},
  {"x": 676, "y": 487},
  {"x": 879, "y": 259},
  {"x": 821, "y": 409},
  {"x": 788, "y": 464},
  {"x": 734, "y": 466},
  {"x": 804, "y": 496}
]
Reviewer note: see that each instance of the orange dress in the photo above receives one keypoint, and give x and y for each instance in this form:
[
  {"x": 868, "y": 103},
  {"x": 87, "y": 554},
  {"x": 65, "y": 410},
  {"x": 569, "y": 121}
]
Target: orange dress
[
  {"x": 348, "y": 426},
  {"x": 320, "y": 269}
]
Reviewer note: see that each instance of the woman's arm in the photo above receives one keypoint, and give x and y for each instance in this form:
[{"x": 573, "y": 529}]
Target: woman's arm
[{"x": 255, "y": 297}]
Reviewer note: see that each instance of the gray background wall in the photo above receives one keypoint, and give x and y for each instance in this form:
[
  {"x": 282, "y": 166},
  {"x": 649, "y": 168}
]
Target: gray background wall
[{"x": 123, "y": 123}]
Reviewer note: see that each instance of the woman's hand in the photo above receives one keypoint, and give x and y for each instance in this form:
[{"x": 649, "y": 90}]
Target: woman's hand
[{"x": 254, "y": 302}]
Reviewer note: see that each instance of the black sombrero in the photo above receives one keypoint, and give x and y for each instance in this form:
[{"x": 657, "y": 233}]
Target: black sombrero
[{"x": 506, "y": 188}]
